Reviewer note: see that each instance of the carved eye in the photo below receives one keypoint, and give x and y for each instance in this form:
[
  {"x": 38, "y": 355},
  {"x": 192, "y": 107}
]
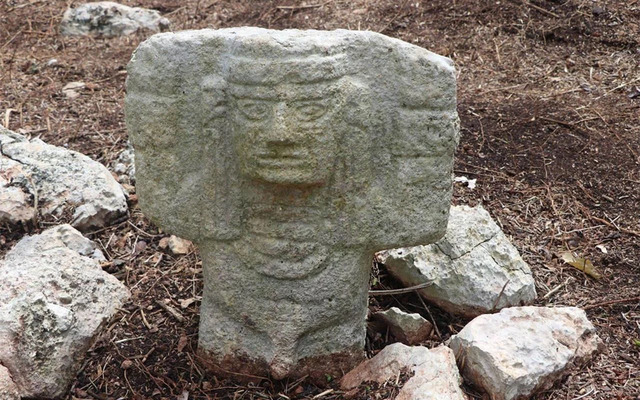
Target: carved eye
[
  {"x": 254, "y": 109},
  {"x": 309, "y": 111}
]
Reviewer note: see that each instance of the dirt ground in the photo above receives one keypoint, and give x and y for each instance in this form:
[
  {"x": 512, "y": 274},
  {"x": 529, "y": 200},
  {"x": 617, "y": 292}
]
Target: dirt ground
[{"x": 549, "y": 98}]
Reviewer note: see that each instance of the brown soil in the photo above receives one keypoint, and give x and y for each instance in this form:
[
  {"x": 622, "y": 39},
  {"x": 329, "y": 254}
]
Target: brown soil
[{"x": 549, "y": 97}]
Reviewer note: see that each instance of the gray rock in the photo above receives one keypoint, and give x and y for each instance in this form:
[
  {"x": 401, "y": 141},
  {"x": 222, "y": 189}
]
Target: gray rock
[
  {"x": 61, "y": 235},
  {"x": 289, "y": 158},
  {"x": 58, "y": 178},
  {"x": 110, "y": 19},
  {"x": 8, "y": 389},
  {"x": 523, "y": 350},
  {"x": 54, "y": 301},
  {"x": 474, "y": 269},
  {"x": 408, "y": 328},
  {"x": 435, "y": 374}
]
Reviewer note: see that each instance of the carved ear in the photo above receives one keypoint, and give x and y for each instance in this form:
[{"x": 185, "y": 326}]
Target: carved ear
[
  {"x": 220, "y": 180},
  {"x": 213, "y": 100},
  {"x": 184, "y": 161},
  {"x": 357, "y": 104}
]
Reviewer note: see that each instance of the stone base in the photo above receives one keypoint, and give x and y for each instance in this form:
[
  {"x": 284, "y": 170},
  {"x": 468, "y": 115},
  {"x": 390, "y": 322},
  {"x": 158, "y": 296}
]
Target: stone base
[{"x": 320, "y": 370}]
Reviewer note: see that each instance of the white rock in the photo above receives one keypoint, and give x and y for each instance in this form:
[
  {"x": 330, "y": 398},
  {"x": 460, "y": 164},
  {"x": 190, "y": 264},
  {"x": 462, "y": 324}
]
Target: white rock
[
  {"x": 110, "y": 19},
  {"x": 53, "y": 303},
  {"x": 435, "y": 372},
  {"x": 58, "y": 178},
  {"x": 523, "y": 350},
  {"x": 474, "y": 269},
  {"x": 125, "y": 164},
  {"x": 8, "y": 389},
  {"x": 408, "y": 328}
]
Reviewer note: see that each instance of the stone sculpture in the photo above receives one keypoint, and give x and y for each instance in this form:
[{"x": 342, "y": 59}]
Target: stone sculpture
[{"x": 289, "y": 158}]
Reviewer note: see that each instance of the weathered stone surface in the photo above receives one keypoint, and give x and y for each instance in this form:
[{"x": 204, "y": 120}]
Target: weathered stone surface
[
  {"x": 58, "y": 178},
  {"x": 264, "y": 148},
  {"x": 523, "y": 350},
  {"x": 435, "y": 374},
  {"x": 8, "y": 389},
  {"x": 53, "y": 302},
  {"x": 110, "y": 19},
  {"x": 408, "y": 328},
  {"x": 474, "y": 269}
]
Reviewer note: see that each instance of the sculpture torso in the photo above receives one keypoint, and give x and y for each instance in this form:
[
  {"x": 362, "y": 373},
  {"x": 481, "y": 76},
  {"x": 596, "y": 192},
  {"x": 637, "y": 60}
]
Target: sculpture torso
[{"x": 285, "y": 241}]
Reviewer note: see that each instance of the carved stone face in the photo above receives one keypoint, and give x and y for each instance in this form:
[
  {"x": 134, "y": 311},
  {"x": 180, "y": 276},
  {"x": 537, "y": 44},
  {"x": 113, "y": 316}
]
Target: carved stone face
[{"x": 285, "y": 134}]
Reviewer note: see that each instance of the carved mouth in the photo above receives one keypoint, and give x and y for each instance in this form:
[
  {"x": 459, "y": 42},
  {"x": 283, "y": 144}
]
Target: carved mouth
[{"x": 282, "y": 161}]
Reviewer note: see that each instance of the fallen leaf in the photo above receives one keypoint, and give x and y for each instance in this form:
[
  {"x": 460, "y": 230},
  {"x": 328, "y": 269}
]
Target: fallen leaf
[
  {"x": 74, "y": 86},
  {"x": 183, "y": 396},
  {"x": 139, "y": 247},
  {"x": 71, "y": 89},
  {"x": 182, "y": 342},
  {"x": 581, "y": 264},
  {"x": 187, "y": 302}
]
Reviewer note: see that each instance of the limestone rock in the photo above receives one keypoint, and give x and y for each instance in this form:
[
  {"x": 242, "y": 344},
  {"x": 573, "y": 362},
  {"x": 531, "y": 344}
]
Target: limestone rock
[
  {"x": 8, "y": 389},
  {"x": 179, "y": 246},
  {"x": 59, "y": 178},
  {"x": 125, "y": 165},
  {"x": 523, "y": 350},
  {"x": 110, "y": 19},
  {"x": 468, "y": 268},
  {"x": 408, "y": 328},
  {"x": 15, "y": 200},
  {"x": 264, "y": 148},
  {"x": 14, "y": 205},
  {"x": 53, "y": 302},
  {"x": 175, "y": 245},
  {"x": 435, "y": 372},
  {"x": 59, "y": 236}
]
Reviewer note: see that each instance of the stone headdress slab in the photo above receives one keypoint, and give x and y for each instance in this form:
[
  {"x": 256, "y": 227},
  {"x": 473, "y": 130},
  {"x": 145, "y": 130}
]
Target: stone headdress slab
[{"x": 391, "y": 184}]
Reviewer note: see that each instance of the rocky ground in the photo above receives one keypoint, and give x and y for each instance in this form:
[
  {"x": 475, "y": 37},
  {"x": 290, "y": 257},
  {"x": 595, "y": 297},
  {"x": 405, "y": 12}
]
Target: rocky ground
[{"x": 549, "y": 98}]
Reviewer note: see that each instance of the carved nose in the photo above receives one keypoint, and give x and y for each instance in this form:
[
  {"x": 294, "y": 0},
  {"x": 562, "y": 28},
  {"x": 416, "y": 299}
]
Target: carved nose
[{"x": 282, "y": 134}]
